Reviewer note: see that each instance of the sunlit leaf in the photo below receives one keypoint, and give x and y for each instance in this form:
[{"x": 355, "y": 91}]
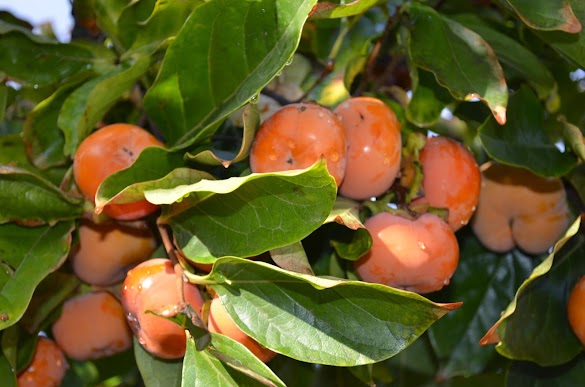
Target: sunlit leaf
[{"x": 547, "y": 14}]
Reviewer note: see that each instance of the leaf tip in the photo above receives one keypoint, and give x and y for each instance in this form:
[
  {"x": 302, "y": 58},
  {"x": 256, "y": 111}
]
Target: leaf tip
[{"x": 499, "y": 113}]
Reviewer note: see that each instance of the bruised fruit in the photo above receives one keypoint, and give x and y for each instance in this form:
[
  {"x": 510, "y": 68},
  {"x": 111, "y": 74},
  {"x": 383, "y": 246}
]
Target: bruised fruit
[
  {"x": 48, "y": 366},
  {"x": 519, "y": 208},
  {"x": 296, "y": 136},
  {"x": 374, "y": 147},
  {"x": 417, "y": 255},
  {"x": 451, "y": 179},
  {"x": 108, "y": 150},
  {"x": 105, "y": 252},
  {"x": 155, "y": 286},
  {"x": 576, "y": 309},
  {"x": 92, "y": 326},
  {"x": 221, "y": 322}
]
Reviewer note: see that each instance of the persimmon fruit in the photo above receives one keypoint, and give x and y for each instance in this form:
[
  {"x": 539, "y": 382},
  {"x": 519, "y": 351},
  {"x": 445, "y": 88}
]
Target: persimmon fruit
[
  {"x": 296, "y": 136},
  {"x": 374, "y": 147},
  {"x": 451, "y": 179},
  {"x": 92, "y": 326},
  {"x": 418, "y": 255},
  {"x": 519, "y": 209},
  {"x": 105, "y": 252},
  {"x": 47, "y": 368},
  {"x": 221, "y": 322},
  {"x": 108, "y": 150},
  {"x": 151, "y": 286},
  {"x": 576, "y": 309}
]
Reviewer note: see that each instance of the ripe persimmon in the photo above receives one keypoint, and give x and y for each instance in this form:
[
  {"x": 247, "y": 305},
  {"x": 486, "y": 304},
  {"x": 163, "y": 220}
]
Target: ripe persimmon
[
  {"x": 92, "y": 326},
  {"x": 417, "y": 255},
  {"x": 48, "y": 366},
  {"x": 221, "y": 322},
  {"x": 108, "y": 150},
  {"x": 374, "y": 147},
  {"x": 519, "y": 208},
  {"x": 296, "y": 136},
  {"x": 105, "y": 252},
  {"x": 576, "y": 309},
  {"x": 150, "y": 286},
  {"x": 451, "y": 179}
]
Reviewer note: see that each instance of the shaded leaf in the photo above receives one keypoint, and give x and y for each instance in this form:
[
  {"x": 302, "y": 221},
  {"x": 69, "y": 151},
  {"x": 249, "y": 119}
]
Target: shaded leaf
[
  {"x": 523, "y": 141},
  {"x": 27, "y": 255},
  {"x": 327, "y": 10},
  {"x": 459, "y": 58},
  {"x": 198, "y": 83},
  {"x": 320, "y": 320},
  {"x": 157, "y": 372},
  {"x": 546, "y": 14},
  {"x": 7, "y": 374},
  {"x": 526, "y": 374},
  {"x": 354, "y": 247},
  {"x": 573, "y": 138},
  {"x": 428, "y": 98},
  {"x": 345, "y": 212},
  {"x": 292, "y": 257},
  {"x": 521, "y": 333}
]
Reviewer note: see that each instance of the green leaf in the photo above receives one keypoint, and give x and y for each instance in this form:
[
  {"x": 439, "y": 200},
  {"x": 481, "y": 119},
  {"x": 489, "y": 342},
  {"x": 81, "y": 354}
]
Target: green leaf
[
  {"x": 86, "y": 106},
  {"x": 3, "y": 100},
  {"x": 356, "y": 244},
  {"x": 513, "y": 55},
  {"x": 522, "y": 141},
  {"x": 526, "y": 374},
  {"x": 570, "y": 46},
  {"x": 28, "y": 254},
  {"x": 346, "y": 212},
  {"x": 428, "y": 98},
  {"x": 223, "y": 55},
  {"x": 7, "y": 374},
  {"x": 459, "y": 58},
  {"x": 321, "y": 320},
  {"x": 157, "y": 372},
  {"x": 36, "y": 61},
  {"x": 573, "y": 138},
  {"x": 327, "y": 10},
  {"x": 486, "y": 283},
  {"x": 546, "y": 14},
  {"x": 107, "y": 14},
  {"x": 523, "y": 332},
  {"x": 29, "y": 199},
  {"x": 238, "y": 357},
  {"x": 292, "y": 257},
  {"x": 246, "y": 216},
  {"x": 577, "y": 179}
]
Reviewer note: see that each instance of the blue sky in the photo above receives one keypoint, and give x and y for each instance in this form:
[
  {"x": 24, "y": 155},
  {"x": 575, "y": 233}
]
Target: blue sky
[{"x": 36, "y": 12}]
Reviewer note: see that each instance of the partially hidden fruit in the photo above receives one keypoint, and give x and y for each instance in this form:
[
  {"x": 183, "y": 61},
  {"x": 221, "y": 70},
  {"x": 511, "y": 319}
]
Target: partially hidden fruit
[
  {"x": 105, "y": 252},
  {"x": 374, "y": 147},
  {"x": 92, "y": 326},
  {"x": 417, "y": 255},
  {"x": 108, "y": 150},
  {"x": 452, "y": 179},
  {"x": 153, "y": 286},
  {"x": 221, "y": 322},
  {"x": 519, "y": 208},
  {"x": 576, "y": 309},
  {"x": 48, "y": 366},
  {"x": 296, "y": 136}
]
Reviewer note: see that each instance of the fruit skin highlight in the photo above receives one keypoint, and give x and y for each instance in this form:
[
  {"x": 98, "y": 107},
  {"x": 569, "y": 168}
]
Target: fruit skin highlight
[
  {"x": 48, "y": 366},
  {"x": 452, "y": 179},
  {"x": 108, "y": 150},
  {"x": 519, "y": 208},
  {"x": 221, "y": 322},
  {"x": 92, "y": 326},
  {"x": 296, "y": 136},
  {"x": 153, "y": 285},
  {"x": 417, "y": 255},
  {"x": 576, "y": 309},
  {"x": 105, "y": 252},
  {"x": 374, "y": 147}
]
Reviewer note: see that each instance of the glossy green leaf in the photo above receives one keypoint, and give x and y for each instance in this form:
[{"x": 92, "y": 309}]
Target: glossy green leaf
[
  {"x": 546, "y": 14},
  {"x": 36, "y": 61},
  {"x": 28, "y": 254},
  {"x": 321, "y": 320},
  {"x": 513, "y": 55},
  {"x": 570, "y": 46},
  {"x": 486, "y": 283},
  {"x": 246, "y": 216},
  {"x": 199, "y": 82},
  {"x": 29, "y": 199},
  {"x": 157, "y": 372},
  {"x": 526, "y": 374},
  {"x": 86, "y": 106},
  {"x": 523, "y": 141},
  {"x": 327, "y": 10},
  {"x": 428, "y": 98},
  {"x": 461, "y": 60},
  {"x": 522, "y": 333}
]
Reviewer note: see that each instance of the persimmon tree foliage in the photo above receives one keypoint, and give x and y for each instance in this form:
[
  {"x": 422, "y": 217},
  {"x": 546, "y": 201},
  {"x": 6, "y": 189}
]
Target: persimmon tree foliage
[{"x": 501, "y": 81}]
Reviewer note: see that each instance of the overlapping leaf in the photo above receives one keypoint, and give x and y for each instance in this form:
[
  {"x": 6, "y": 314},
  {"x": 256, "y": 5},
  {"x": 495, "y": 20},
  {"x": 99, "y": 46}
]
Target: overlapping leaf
[{"x": 547, "y": 14}]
